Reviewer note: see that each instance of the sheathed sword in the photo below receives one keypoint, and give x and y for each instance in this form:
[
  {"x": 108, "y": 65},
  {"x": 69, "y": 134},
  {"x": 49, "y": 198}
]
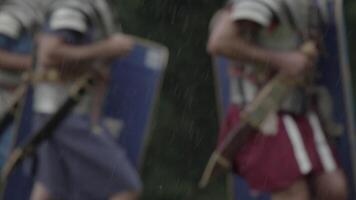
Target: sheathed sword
[
  {"x": 9, "y": 115},
  {"x": 266, "y": 102},
  {"x": 12, "y": 109}
]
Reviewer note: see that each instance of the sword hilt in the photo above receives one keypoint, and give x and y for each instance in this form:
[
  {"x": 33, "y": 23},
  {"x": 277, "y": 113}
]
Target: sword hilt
[{"x": 309, "y": 48}]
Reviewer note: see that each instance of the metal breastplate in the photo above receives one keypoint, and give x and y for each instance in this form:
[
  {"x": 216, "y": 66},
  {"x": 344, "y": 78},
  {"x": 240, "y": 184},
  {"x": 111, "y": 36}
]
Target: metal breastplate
[
  {"x": 97, "y": 11},
  {"x": 49, "y": 96},
  {"x": 283, "y": 38},
  {"x": 29, "y": 12},
  {"x": 51, "y": 92}
]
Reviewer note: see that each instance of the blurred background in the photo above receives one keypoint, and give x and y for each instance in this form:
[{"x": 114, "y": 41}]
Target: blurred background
[{"x": 185, "y": 120}]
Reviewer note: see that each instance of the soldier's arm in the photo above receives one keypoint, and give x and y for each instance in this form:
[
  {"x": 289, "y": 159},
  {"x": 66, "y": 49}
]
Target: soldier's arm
[
  {"x": 67, "y": 40},
  {"x": 11, "y": 33},
  {"x": 14, "y": 61},
  {"x": 236, "y": 39},
  {"x": 53, "y": 50}
]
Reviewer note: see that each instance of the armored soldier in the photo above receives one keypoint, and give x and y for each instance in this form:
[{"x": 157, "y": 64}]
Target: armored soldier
[
  {"x": 81, "y": 160},
  {"x": 290, "y": 150}
]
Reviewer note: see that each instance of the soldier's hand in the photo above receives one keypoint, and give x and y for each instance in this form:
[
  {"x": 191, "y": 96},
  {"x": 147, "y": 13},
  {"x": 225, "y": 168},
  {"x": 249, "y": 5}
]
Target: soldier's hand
[
  {"x": 296, "y": 63},
  {"x": 120, "y": 45},
  {"x": 46, "y": 44}
]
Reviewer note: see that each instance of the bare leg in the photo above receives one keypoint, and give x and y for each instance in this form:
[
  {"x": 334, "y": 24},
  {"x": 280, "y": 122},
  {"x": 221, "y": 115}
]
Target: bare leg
[
  {"x": 298, "y": 191},
  {"x": 331, "y": 186},
  {"x": 39, "y": 192},
  {"x": 125, "y": 196}
]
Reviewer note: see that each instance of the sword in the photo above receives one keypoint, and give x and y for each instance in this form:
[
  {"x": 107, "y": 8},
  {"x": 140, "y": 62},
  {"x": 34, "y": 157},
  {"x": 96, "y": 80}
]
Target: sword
[
  {"x": 267, "y": 101},
  {"x": 9, "y": 116}
]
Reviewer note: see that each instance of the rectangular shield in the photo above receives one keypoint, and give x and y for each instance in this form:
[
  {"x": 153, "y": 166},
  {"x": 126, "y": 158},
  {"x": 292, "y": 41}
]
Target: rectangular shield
[
  {"x": 336, "y": 77},
  {"x": 134, "y": 88}
]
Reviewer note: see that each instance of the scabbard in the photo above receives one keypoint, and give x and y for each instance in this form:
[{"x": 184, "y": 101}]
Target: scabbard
[
  {"x": 9, "y": 115},
  {"x": 6, "y": 120},
  {"x": 222, "y": 158}
]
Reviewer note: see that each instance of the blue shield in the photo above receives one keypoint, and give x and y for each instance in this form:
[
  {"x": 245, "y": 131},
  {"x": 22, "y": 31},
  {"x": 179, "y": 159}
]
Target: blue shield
[
  {"x": 336, "y": 76},
  {"x": 21, "y": 179},
  {"x": 335, "y": 70},
  {"x": 20, "y": 130},
  {"x": 133, "y": 91}
]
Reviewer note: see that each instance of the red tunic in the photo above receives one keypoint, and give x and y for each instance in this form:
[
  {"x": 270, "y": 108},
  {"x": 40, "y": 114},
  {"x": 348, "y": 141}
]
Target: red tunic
[{"x": 273, "y": 162}]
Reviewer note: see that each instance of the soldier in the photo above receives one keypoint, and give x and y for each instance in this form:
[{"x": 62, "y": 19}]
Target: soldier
[
  {"x": 17, "y": 21},
  {"x": 79, "y": 161},
  {"x": 290, "y": 152}
]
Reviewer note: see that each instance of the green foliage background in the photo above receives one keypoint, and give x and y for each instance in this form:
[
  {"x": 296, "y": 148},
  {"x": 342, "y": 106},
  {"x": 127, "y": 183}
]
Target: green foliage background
[{"x": 185, "y": 124}]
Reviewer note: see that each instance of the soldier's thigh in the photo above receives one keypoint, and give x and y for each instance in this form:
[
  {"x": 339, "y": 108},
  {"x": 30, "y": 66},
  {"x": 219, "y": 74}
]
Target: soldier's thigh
[
  {"x": 331, "y": 186},
  {"x": 299, "y": 190}
]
